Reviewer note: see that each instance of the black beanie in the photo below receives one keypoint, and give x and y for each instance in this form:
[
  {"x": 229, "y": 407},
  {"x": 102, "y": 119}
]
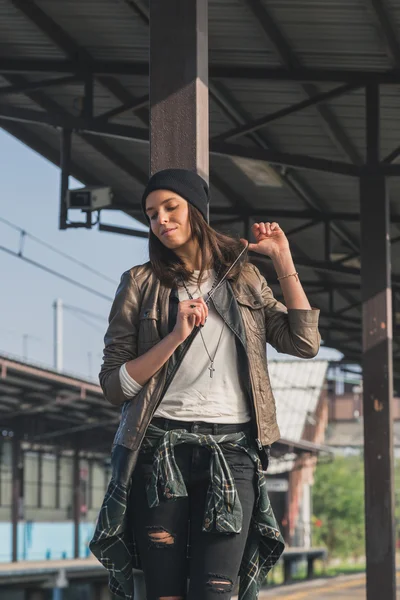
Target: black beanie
[{"x": 188, "y": 184}]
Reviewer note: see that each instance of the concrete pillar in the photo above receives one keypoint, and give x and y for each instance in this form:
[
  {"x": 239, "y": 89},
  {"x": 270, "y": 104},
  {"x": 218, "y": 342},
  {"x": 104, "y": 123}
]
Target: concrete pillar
[
  {"x": 179, "y": 85},
  {"x": 17, "y": 504},
  {"x": 377, "y": 365},
  {"x": 76, "y": 501}
]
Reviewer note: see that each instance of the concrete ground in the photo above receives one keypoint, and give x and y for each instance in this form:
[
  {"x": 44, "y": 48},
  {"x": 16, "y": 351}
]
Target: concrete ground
[{"x": 351, "y": 587}]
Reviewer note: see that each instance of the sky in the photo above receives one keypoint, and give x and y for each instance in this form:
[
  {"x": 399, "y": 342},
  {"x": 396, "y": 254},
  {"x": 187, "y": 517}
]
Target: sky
[{"x": 29, "y": 199}]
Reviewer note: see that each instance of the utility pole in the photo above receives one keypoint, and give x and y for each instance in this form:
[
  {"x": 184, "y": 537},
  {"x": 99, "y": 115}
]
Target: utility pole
[
  {"x": 25, "y": 338},
  {"x": 90, "y": 363},
  {"x": 58, "y": 334}
]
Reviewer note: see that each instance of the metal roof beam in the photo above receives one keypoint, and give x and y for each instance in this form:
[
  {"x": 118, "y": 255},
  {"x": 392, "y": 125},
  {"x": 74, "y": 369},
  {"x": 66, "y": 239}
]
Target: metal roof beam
[
  {"x": 390, "y": 158},
  {"x": 226, "y": 190},
  {"x": 290, "y": 178},
  {"x": 320, "y": 265},
  {"x": 216, "y": 71},
  {"x": 391, "y": 170},
  {"x": 229, "y": 106},
  {"x": 123, "y": 230},
  {"x": 133, "y": 105},
  {"x": 301, "y": 228},
  {"x": 52, "y": 108},
  {"x": 392, "y": 46},
  {"x": 262, "y": 212},
  {"x": 335, "y": 317},
  {"x": 117, "y": 159},
  {"x": 385, "y": 29},
  {"x": 329, "y": 285},
  {"x": 51, "y": 29},
  {"x": 330, "y": 123},
  {"x": 51, "y": 154},
  {"x": 38, "y": 85},
  {"x": 258, "y": 124},
  {"x": 298, "y": 161},
  {"x": 67, "y": 44},
  {"x": 140, "y": 9},
  {"x": 345, "y": 329},
  {"x": 67, "y": 121},
  {"x": 79, "y": 124}
]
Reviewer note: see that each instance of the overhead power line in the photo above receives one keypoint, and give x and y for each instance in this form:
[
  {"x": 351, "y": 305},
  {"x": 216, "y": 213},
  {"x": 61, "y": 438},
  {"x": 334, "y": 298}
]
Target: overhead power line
[
  {"x": 87, "y": 322},
  {"x": 38, "y": 240},
  {"x": 85, "y": 312},
  {"x": 56, "y": 273}
]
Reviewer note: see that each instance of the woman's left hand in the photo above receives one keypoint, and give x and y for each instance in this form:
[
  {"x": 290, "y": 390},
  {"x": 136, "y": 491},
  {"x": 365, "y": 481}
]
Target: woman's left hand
[{"x": 270, "y": 239}]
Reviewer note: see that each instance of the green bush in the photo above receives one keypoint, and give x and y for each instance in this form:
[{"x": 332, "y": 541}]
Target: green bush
[{"x": 338, "y": 507}]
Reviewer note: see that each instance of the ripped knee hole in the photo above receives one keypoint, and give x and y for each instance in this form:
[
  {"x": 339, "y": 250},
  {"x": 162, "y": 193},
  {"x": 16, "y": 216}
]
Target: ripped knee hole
[
  {"x": 160, "y": 537},
  {"x": 219, "y": 584}
]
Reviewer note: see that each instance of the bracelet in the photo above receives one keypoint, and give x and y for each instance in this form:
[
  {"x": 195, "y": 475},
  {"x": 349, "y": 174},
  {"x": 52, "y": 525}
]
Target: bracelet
[{"x": 295, "y": 274}]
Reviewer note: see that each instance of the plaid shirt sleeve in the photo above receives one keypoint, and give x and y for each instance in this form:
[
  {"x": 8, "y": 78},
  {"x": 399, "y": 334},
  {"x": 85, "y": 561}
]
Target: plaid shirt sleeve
[{"x": 113, "y": 542}]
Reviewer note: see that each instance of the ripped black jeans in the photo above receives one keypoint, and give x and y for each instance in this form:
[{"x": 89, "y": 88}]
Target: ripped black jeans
[{"x": 163, "y": 532}]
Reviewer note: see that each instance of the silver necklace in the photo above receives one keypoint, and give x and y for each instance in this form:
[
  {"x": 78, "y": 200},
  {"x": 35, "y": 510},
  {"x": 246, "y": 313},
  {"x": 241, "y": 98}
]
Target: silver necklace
[
  {"x": 212, "y": 291},
  {"x": 212, "y": 359}
]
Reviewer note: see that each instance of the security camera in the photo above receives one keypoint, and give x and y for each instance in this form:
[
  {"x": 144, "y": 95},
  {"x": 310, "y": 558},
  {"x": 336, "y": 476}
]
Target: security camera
[{"x": 90, "y": 198}]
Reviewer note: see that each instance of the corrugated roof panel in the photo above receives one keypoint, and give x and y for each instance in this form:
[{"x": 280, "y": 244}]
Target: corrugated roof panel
[
  {"x": 392, "y": 9},
  {"x": 234, "y": 37},
  {"x": 390, "y": 122},
  {"x": 330, "y": 33},
  {"x": 70, "y": 98},
  {"x": 349, "y": 110},
  {"x": 20, "y": 38},
  {"x": 113, "y": 175},
  {"x": 219, "y": 122},
  {"x": 262, "y": 97},
  {"x": 135, "y": 152},
  {"x": 302, "y": 132},
  {"x": 260, "y": 197},
  {"x": 108, "y": 30},
  {"x": 297, "y": 387},
  {"x": 339, "y": 192}
]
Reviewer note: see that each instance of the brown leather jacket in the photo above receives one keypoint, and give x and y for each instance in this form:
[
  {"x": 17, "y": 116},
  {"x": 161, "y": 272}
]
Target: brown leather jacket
[{"x": 143, "y": 313}]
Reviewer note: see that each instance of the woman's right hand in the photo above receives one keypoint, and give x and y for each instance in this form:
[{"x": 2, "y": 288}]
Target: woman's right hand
[{"x": 188, "y": 318}]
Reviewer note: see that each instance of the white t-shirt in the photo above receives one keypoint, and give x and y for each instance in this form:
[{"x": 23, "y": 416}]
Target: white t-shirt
[{"x": 193, "y": 395}]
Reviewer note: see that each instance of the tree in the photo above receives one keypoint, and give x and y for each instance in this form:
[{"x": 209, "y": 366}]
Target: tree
[{"x": 338, "y": 507}]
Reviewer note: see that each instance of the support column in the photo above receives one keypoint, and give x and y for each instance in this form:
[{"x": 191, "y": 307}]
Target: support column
[
  {"x": 32, "y": 594},
  {"x": 377, "y": 365},
  {"x": 76, "y": 501},
  {"x": 100, "y": 591},
  {"x": 179, "y": 85},
  {"x": 17, "y": 494},
  {"x": 40, "y": 478},
  {"x": 58, "y": 479},
  {"x": 65, "y": 165}
]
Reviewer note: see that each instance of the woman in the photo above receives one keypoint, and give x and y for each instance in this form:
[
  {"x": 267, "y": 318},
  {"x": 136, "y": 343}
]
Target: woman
[{"x": 185, "y": 355}]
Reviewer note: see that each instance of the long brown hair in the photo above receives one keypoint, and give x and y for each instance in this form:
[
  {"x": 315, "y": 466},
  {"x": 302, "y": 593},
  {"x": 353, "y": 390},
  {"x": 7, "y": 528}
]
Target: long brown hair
[{"x": 223, "y": 249}]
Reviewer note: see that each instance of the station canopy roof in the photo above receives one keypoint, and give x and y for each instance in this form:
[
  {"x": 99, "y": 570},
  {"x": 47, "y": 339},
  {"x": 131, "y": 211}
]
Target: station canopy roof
[
  {"x": 50, "y": 409},
  {"x": 287, "y": 119}
]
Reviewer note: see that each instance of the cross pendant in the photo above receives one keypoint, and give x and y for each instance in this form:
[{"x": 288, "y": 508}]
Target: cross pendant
[{"x": 211, "y": 369}]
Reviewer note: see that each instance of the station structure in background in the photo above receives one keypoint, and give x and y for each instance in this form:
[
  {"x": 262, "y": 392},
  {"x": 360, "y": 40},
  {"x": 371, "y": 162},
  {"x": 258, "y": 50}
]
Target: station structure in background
[{"x": 302, "y": 102}]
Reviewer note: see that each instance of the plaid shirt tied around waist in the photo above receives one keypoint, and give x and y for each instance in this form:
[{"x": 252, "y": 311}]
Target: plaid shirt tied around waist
[{"x": 113, "y": 541}]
